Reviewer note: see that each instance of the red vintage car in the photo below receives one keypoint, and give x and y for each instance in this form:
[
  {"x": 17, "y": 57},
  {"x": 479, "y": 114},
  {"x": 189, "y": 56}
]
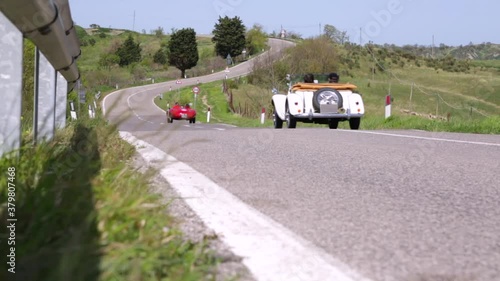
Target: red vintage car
[{"x": 178, "y": 112}]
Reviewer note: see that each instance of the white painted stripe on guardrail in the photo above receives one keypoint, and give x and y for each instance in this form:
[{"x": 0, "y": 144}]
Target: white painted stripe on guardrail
[{"x": 269, "y": 250}]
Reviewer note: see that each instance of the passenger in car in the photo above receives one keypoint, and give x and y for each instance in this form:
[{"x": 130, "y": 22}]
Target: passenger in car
[
  {"x": 309, "y": 78},
  {"x": 333, "y": 78}
]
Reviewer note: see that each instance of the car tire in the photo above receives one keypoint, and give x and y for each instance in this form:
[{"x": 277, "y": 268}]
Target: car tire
[
  {"x": 278, "y": 123},
  {"x": 316, "y": 95},
  {"x": 333, "y": 123},
  {"x": 354, "y": 123},
  {"x": 291, "y": 122},
  {"x": 192, "y": 120}
]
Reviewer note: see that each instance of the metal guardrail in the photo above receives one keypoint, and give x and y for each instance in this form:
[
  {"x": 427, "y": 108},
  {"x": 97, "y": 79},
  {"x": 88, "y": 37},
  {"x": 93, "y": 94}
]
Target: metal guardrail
[{"x": 49, "y": 25}]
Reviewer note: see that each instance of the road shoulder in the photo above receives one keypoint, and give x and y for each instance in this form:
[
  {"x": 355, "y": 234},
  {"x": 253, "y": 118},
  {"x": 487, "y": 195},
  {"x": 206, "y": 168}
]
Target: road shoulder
[{"x": 193, "y": 228}]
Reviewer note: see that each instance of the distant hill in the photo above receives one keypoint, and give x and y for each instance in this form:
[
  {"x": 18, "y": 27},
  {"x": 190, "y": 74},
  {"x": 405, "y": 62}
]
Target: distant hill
[{"x": 484, "y": 51}]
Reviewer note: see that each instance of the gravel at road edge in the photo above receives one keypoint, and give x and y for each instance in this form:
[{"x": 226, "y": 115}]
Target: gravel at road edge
[{"x": 193, "y": 228}]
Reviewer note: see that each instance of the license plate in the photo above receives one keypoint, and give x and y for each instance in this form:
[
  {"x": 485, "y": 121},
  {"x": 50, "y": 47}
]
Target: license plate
[
  {"x": 184, "y": 115},
  {"x": 328, "y": 108}
]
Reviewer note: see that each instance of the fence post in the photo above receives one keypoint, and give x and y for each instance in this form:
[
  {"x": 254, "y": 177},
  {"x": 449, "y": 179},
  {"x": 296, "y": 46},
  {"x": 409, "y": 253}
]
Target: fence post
[
  {"x": 72, "y": 111},
  {"x": 437, "y": 105},
  {"x": 11, "y": 57},
  {"x": 411, "y": 96}
]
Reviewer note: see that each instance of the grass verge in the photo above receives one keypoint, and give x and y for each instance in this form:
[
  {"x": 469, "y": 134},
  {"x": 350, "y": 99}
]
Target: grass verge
[{"x": 84, "y": 214}]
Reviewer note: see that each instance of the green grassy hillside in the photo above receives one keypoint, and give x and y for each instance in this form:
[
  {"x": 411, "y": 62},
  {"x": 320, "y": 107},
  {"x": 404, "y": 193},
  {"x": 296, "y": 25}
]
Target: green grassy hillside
[{"x": 99, "y": 41}]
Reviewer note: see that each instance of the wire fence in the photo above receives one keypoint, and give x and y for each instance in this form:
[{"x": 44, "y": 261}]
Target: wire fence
[{"x": 417, "y": 88}]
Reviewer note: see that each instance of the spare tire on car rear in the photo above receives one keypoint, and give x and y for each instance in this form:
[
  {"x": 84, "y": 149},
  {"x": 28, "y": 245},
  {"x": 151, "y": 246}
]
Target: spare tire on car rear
[{"x": 327, "y": 96}]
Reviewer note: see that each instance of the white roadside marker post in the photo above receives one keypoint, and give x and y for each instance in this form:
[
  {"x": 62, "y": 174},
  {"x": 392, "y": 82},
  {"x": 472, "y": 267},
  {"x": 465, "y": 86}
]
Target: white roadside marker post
[
  {"x": 208, "y": 115},
  {"x": 263, "y": 115},
  {"x": 387, "y": 106}
]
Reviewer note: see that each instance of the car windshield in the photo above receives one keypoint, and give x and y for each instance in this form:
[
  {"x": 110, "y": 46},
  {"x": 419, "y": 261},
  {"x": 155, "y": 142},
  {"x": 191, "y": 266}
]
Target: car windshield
[{"x": 299, "y": 78}]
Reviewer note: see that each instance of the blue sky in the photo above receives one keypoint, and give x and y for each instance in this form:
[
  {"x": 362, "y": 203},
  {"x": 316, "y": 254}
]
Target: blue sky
[{"x": 381, "y": 21}]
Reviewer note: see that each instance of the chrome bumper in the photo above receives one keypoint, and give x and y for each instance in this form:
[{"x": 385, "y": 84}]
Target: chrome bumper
[{"x": 312, "y": 116}]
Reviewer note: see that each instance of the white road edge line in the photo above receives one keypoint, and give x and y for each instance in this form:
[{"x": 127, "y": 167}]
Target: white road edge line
[
  {"x": 269, "y": 250},
  {"x": 422, "y": 138}
]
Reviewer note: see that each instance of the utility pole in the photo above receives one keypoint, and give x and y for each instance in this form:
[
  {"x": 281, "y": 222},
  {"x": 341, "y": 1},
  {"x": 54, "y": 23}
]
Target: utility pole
[
  {"x": 133, "y": 25},
  {"x": 360, "y": 34},
  {"x": 432, "y": 46},
  {"x": 320, "y": 29}
]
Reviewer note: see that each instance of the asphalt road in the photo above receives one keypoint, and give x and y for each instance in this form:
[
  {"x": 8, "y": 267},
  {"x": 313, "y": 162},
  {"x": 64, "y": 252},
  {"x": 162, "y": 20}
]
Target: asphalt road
[{"x": 393, "y": 205}]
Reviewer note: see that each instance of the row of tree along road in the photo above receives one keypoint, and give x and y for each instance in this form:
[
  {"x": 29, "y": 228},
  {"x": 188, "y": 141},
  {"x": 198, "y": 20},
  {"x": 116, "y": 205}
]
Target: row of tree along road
[{"x": 181, "y": 50}]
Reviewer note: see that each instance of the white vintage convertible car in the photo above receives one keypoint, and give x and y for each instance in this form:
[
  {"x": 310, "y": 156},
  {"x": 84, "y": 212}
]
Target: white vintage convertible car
[{"x": 319, "y": 102}]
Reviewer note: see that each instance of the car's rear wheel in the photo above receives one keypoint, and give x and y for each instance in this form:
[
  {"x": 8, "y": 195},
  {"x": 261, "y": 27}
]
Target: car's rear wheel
[
  {"x": 333, "y": 123},
  {"x": 192, "y": 120},
  {"x": 278, "y": 123},
  {"x": 291, "y": 122},
  {"x": 354, "y": 123}
]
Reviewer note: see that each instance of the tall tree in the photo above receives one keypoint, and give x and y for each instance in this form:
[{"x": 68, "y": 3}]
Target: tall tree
[
  {"x": 316, "y": 55},
  {"x": 159, "y": 32},
  {"x": 256, "y": 39},
  {"x": 129, "y": 52},
  {"x": 183, "y": 49},
  {"x": 160, "y": 57},
  {"x": 229, "y": 36},
  {"x": 332, "y": 33}
]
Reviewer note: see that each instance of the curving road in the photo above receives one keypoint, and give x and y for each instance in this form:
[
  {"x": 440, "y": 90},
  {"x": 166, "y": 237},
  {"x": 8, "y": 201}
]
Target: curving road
[
  {"x": 388, "y": 205},
  {"x": 134, "y": 107}
]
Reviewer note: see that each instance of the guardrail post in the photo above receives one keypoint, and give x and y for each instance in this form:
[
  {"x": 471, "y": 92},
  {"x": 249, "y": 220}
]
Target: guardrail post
[
  {"x": 61, "y": 101},
  {"x": 45, "y": 91},
  {"x": 11, "y": 74},
  {"x": 72, "y": 110},
  {"x": 91, "y": 112}
]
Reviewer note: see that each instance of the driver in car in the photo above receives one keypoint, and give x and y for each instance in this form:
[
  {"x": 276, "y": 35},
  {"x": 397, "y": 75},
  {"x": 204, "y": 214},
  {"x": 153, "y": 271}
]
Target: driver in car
[
  {"x": 309, "y": 78},
  {"x": 333, "y": 78}
]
